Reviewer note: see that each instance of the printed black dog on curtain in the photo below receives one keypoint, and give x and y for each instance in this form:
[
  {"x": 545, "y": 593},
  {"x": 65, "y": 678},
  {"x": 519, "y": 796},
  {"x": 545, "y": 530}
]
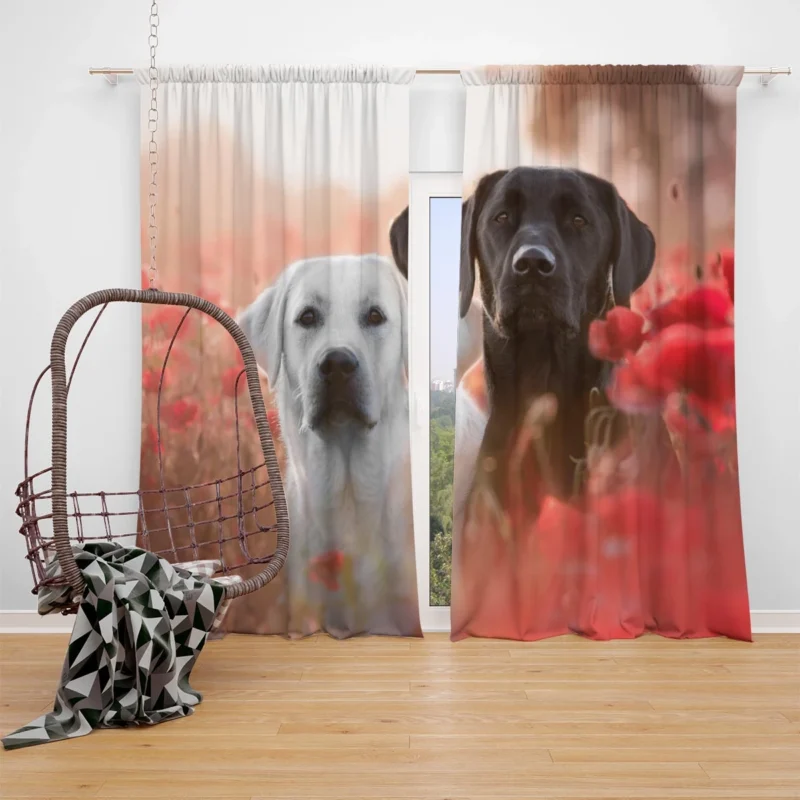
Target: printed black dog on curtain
[
  {"x": 277, "y": 189},
  {"x": 596, "y": 468}
]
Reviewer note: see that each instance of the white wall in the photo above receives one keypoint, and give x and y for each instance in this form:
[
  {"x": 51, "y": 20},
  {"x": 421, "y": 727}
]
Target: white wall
[{"x": 69, "y": 194}]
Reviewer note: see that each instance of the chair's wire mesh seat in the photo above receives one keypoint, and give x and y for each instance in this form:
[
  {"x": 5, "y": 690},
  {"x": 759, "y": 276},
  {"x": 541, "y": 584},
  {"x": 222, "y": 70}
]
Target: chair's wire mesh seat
[{"x": 240, "y": 519}]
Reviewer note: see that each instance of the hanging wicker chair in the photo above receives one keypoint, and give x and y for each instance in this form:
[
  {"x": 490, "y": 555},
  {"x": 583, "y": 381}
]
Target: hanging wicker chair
[{"x": 239, "y": 520}]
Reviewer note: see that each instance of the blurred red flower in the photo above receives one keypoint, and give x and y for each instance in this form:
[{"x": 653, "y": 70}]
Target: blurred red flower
[
  {"x": 165, "y": 320},
  {"x": 624, "y": 558},
  {"x": 672, "y": 273},
  {"x": 720, "y": 418},
  {"x": 706, "y": 430},
  {"x": 616, "y": 336},
  {"x": 726, "y": 260},
  {"x": 629, "y": 392},
  {"x": 230, "y": 387},
  {"x": 214, "y": 297},
  {"x": 150, "y": 438},
  {"x": 687, "y": 357},
  {"x": 558, "y": 526},
  {"x": 151, "y": 379},
  {"x": 325, "y": 569},
  {"x": 180, "y": 413},
  {"x": 629, "y": 514},
  {"x": 179, "y": 364},
  {"x": 705, "y": 307}
]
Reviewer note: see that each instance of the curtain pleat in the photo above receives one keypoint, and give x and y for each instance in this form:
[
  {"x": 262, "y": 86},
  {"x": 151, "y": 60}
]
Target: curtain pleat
[
  {"x": 262, "y": 170},
  {"x": 618, "y": 512}
]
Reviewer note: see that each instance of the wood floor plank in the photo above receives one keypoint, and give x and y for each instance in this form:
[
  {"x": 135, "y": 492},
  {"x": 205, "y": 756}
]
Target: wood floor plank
[
  {"x": 661, "y": 694},
  {"x": 339, "y": 761},
  {"x": 422, "y": 783},
  {"x": 603, "y": 740},
  {"x": 376, "y": 717},
  {"x": 750, "y": 773},
  {"x": 703, "y": 753}
]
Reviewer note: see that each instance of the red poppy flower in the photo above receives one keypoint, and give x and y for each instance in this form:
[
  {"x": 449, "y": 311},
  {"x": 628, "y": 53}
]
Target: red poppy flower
[
  {"x": 705, "y": 307},
  {"x": 672, "y": 262},
  {"x": 150, "y": 438},
  {"x": 165, "y": 320},
  {"x": 688, "y": 357},
  {"x": 558, "y": 524},
  {"x": 628, "y": 392},
  {"x": 151, "y": 379},
  {"x": 325, "y": 569},
  {"x": 720, "y": 417},
  {"x": 231, "y": 384},
  {"x": 706, "y": 430},
  {"x": 673, "y": 273},
  {"x": 180, "y": 413},
  {"x": 616, "y": 336},
  {"x": 726, "y": 261},
  {"x": 629, "y": 513}
]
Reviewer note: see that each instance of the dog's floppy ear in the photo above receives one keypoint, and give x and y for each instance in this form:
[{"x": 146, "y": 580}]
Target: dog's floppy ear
[
  {"x": 262, "y": 323},
  {"x": 398, "y": 239},
  {"x": 633, "y": 249},
  {"x": 470, "y": 212}
]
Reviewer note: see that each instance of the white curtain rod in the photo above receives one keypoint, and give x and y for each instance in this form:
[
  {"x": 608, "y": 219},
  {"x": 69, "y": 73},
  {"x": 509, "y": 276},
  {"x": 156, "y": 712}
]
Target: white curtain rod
[{"x": 767, "y": 73}]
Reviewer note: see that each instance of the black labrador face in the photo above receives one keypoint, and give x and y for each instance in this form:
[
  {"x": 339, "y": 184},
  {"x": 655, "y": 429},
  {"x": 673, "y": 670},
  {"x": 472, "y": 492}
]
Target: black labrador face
[{"x": 548, "y": 243}]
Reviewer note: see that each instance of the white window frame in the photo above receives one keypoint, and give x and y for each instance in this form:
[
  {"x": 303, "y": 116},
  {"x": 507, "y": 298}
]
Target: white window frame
[{"x": 424, "y": 186}]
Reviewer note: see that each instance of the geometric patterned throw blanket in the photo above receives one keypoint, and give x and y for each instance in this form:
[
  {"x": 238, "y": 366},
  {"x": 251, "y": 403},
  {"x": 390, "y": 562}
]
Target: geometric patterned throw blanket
[{"x": 139, "y": 629}]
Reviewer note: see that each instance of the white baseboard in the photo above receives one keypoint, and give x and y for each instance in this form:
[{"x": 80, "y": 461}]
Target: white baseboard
[
  {"x": 31, "y": 622},
  {"x": 775, "y": 621}
]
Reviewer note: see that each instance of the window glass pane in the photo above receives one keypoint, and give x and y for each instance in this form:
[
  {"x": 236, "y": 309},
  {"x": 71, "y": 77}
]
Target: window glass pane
[{"x": 445, "y": 237}]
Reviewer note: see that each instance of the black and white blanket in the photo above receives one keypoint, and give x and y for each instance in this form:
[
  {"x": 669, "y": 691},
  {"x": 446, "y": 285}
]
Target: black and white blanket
[{"x": 139, "y": 629}]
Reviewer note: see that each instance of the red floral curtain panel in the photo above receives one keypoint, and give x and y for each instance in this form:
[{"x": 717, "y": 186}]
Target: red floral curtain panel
[
  {"x": 596, "y": 466},
  {"x": 277, "y": 187}
]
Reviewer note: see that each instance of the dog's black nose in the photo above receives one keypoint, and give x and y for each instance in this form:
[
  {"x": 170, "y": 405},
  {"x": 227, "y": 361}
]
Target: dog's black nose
[
  {"x": 534, "y": 260},
  {"x": 338, "y": 364}
]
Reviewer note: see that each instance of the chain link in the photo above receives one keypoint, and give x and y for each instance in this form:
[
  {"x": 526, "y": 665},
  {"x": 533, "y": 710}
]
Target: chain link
[{"x": 152, "y": 126}]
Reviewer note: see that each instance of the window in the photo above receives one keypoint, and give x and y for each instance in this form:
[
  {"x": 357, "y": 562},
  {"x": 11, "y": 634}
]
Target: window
[
  {"x": 444, "y": 242},
  {"x": 434, "y": 244}
]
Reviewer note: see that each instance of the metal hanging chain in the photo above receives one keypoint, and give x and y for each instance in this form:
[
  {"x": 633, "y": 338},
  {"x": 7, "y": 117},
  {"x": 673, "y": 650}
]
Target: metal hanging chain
[{"x": 152, "y": 126}]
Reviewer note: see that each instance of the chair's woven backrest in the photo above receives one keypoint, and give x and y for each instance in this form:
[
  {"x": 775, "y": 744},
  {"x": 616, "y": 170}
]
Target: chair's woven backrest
[{"x": 240, "y": 518}]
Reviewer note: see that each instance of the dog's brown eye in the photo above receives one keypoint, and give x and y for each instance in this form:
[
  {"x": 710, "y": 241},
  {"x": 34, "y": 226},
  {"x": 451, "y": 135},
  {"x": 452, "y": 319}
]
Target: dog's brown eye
[
  {"x": 308, "y": 318},
  {"x": 578, "y": 221},
  {"x": 501, "y": 218},
  {"x": 375, "y": 317}
]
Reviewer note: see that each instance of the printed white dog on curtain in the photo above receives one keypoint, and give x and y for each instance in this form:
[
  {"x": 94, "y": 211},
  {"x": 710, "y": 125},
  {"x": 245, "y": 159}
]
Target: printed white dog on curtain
[{"x": 332, "y": 336}]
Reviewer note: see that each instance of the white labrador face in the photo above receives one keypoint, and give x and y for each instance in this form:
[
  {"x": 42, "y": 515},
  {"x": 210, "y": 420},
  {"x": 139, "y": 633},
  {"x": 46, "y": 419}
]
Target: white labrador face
[{"x": 334, "y": 329}]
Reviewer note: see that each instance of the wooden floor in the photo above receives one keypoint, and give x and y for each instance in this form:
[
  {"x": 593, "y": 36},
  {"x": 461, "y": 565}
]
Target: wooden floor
[{"x": 388, "y": 718}]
